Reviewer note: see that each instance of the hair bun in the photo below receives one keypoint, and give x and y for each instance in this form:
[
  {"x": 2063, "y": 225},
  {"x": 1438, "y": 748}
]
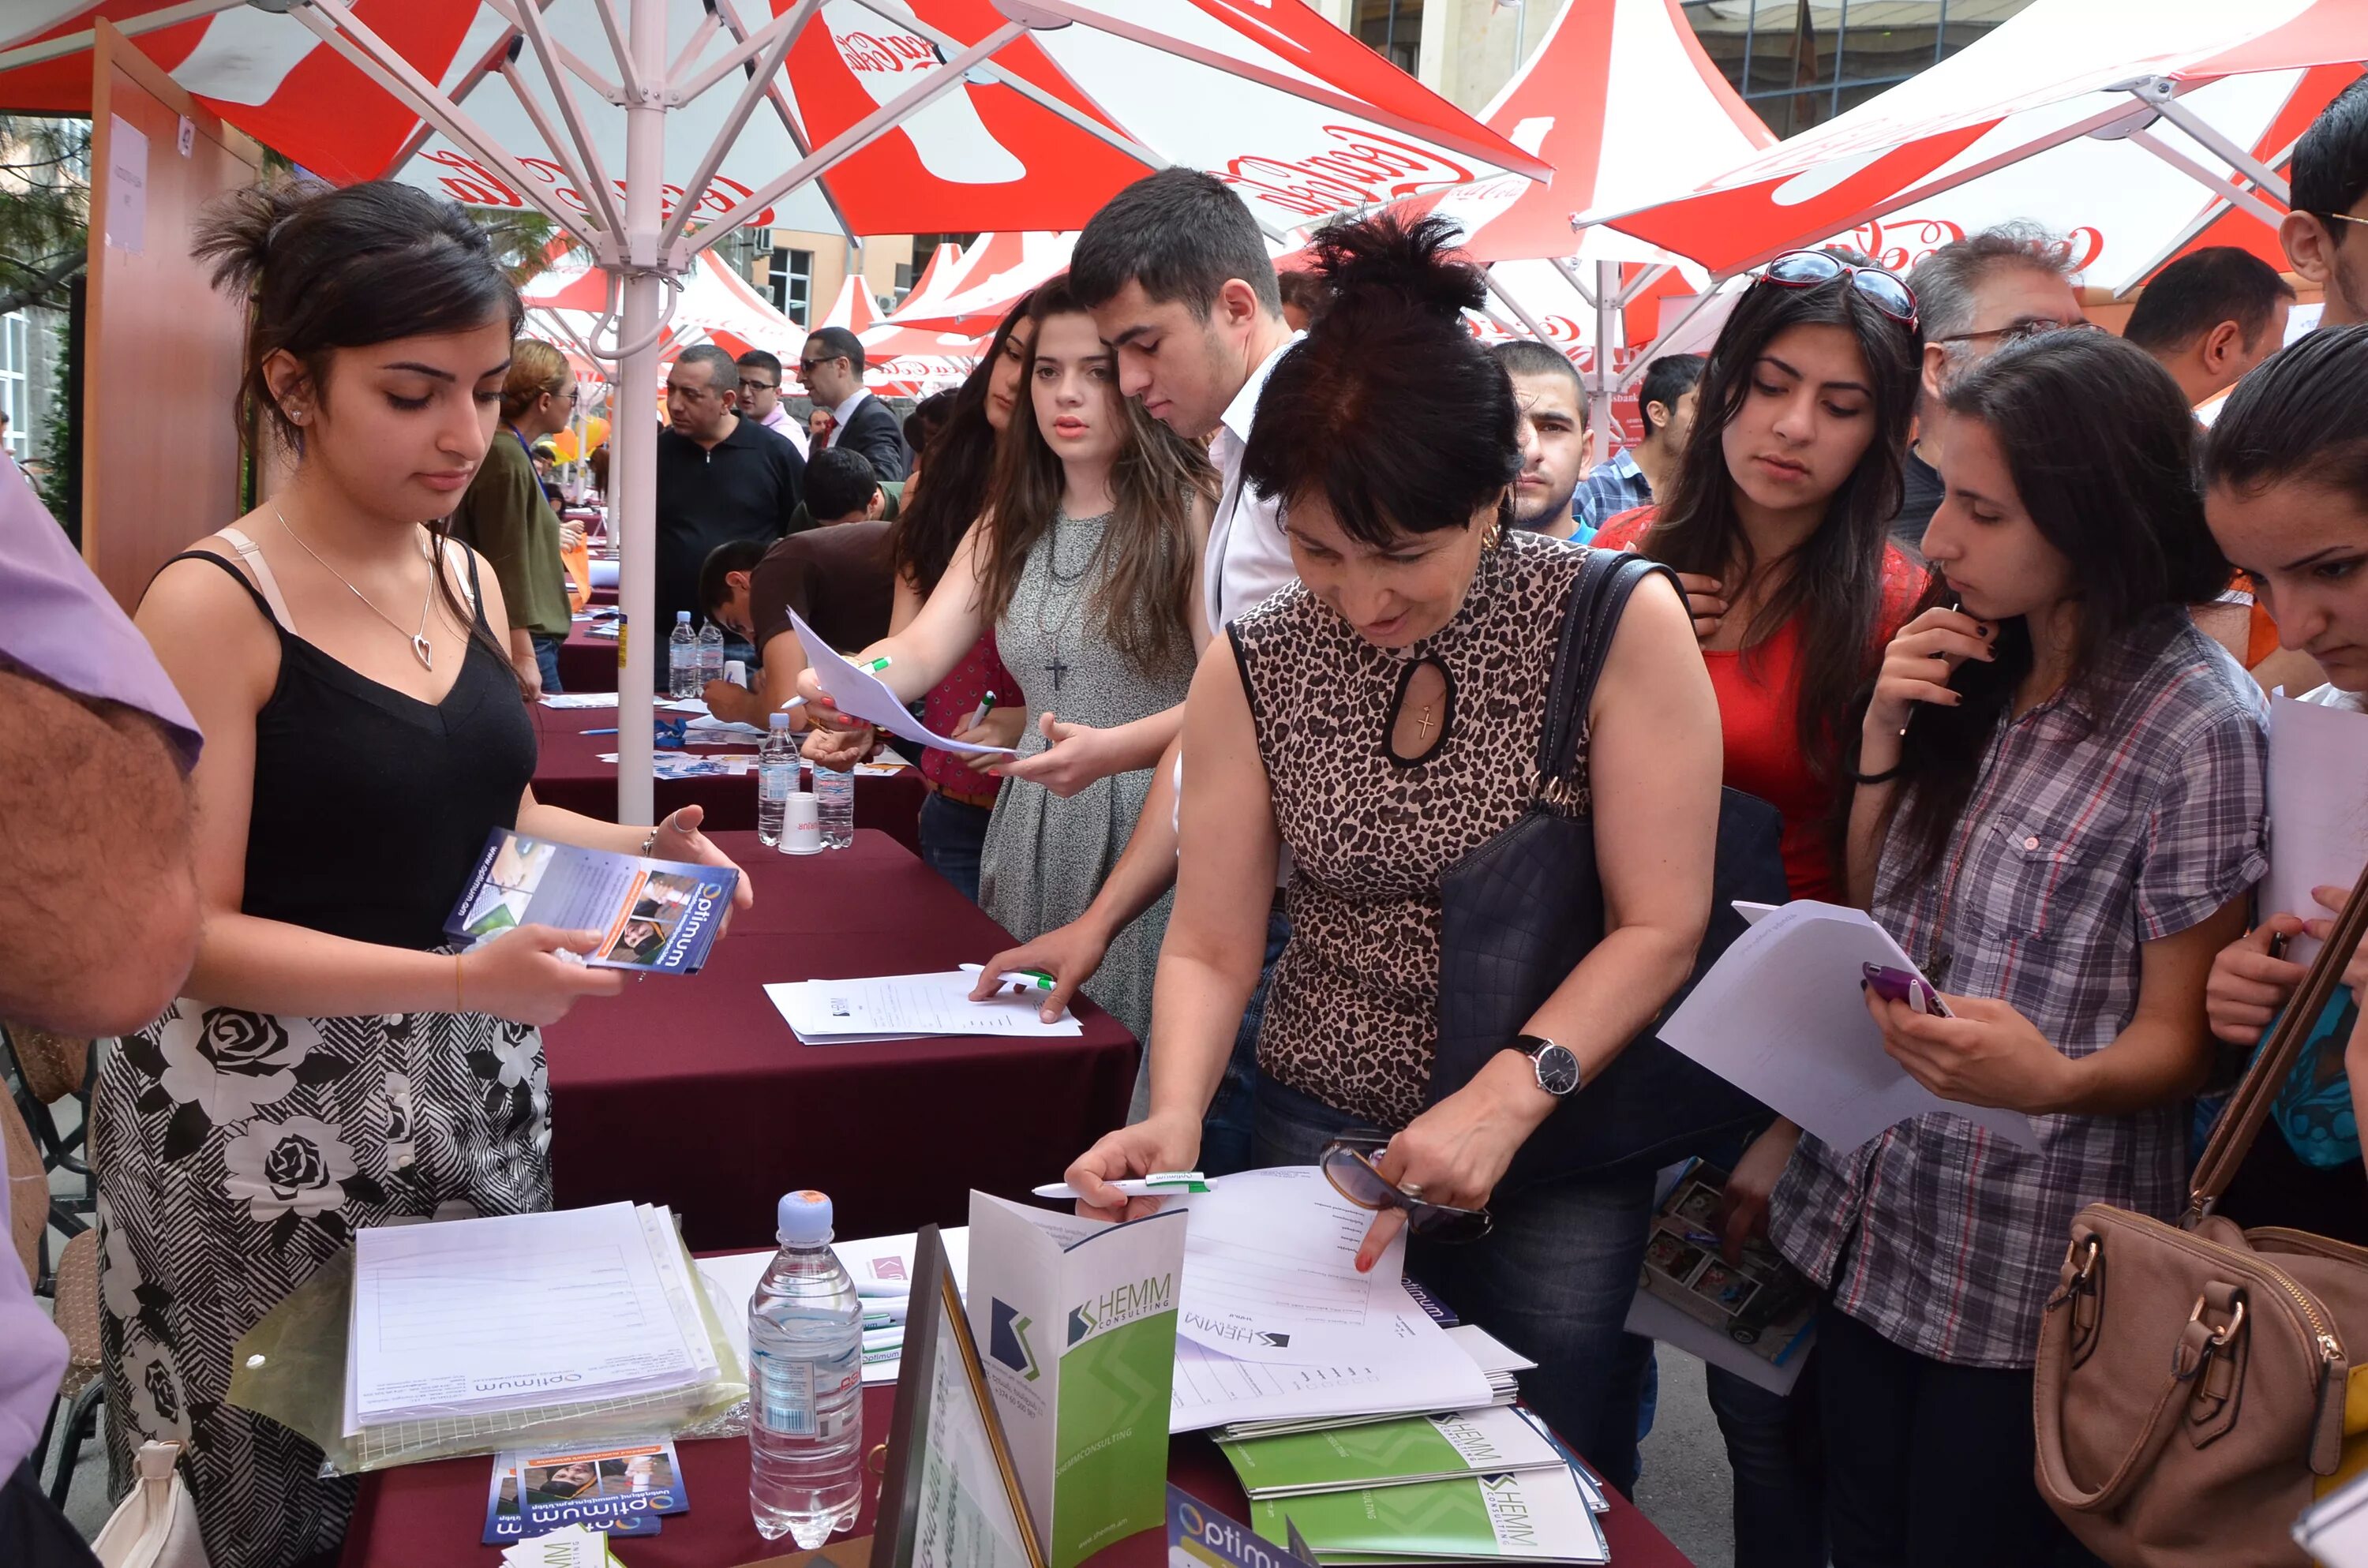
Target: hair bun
[
  {"x": 1383, "y": 264},
  {"x": 237, "y": 229}
]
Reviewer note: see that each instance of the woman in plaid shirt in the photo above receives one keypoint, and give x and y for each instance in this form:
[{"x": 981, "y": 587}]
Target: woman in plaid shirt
[{"x": 2059, "y": 812}]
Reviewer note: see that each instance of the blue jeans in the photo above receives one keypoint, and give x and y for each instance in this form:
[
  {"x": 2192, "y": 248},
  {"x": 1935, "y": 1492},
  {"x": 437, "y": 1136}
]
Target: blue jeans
[
  {"x": 1553, "y": 1280},
  {"x": 546, "y": 661},
  {"x": 1227, "y": 1128},
  {"x": 954, "y": 834},
  {"x": 1776, "y": 1449}
]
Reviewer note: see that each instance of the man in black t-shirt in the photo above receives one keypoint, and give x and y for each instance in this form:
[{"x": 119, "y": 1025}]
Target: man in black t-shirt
[{"x": 719, "y": 478}]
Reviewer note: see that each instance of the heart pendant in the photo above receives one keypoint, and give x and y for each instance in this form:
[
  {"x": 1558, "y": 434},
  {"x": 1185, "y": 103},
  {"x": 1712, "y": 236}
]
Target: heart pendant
[{"x": 427, "y": 654}]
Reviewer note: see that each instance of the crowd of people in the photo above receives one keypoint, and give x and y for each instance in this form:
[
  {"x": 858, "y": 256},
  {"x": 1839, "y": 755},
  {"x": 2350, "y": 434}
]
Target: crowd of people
[{"x": 1263, "y": 578}]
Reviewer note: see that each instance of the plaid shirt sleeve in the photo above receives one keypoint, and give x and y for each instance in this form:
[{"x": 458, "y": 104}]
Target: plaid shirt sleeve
[
  {"x": 1609, "y": 489},
  {"x": 2206, "y": 833}
]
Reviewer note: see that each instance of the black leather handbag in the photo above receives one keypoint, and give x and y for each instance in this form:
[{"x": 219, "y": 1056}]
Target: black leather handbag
[{"x": 1522, "y": 909}]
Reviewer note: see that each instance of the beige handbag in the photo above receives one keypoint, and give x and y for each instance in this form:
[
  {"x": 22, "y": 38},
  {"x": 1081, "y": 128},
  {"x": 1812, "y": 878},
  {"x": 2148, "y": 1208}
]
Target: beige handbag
[
  {"x": 2196, "y": 1386},
  {"x": 155, "y": 1525}
]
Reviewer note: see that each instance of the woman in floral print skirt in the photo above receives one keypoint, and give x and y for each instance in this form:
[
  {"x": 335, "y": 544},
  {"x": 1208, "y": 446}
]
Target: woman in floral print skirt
[{"x": 332, "y": 1064}]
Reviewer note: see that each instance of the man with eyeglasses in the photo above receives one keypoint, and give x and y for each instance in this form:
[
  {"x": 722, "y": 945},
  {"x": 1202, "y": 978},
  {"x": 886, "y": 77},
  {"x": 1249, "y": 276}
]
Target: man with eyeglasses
[
  {"x": 831, "y": 369},
  {"x": 1977, "y": 295},
  {"x": 720, "y": 477},
  {"x": 2329, "y": 183},
  {"x": 760, "y": 398}
]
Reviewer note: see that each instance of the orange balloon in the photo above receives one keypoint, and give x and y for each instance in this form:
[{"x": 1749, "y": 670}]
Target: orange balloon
[{"x": 564, "y": 445}]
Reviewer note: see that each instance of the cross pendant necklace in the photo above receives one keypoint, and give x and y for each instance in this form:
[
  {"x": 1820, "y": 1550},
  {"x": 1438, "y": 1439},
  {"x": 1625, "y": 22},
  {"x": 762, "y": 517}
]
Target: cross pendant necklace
[
  {"x": 419, "y": 645},
  {"x": 1059, "y": 667},
  {"x": 1422, "y": 723}
]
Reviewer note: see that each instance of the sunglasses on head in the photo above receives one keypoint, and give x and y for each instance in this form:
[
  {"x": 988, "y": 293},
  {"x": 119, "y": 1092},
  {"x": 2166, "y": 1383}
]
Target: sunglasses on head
[
  {"x": 1348, "y": 1163},
  {"x": 1809, "y": 268}
]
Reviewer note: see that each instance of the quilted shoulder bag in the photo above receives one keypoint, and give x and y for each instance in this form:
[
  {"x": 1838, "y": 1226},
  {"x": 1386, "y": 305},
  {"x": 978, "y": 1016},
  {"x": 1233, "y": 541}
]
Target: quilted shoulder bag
[
  {"x": 1521, "y": 911},
  {"x": 2197, "y": 1384}
]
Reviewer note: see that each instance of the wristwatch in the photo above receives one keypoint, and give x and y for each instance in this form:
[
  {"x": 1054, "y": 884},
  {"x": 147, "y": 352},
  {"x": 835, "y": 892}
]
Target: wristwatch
[{"x": 1556, "y": 1068}]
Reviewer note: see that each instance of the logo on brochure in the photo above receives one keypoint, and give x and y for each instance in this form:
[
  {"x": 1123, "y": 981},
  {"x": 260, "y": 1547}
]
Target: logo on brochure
[
  {"x": 1122, "y": 1304},
  {"x": 1006, "y": 1339}
]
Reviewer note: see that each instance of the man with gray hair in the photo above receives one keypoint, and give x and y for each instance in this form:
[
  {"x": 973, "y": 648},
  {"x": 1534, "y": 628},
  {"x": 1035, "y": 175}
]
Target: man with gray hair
[
  {"x": 1972, "y": 297},
  {"x": 719, "y": 478}
]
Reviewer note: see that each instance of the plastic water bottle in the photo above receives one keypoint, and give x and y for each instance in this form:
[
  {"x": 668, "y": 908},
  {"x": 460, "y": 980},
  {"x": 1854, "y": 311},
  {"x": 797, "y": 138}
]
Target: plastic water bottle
[
  {"x": 834, "y": 804},
  {"x": 805, "y": 1383},
  {"x": 776, "y": 775},
  {"x": 711, "y": 654},
  {"x": 682, "y": 658}
]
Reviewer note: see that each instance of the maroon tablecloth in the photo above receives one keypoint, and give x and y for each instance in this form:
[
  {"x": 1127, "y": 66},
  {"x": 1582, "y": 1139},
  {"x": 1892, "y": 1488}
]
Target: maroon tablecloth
[
  {"x": 435, "y": 1513},
  {"x": 569, "y": 773},
  {"x": 691, "y": 1092},
  {"x": 589, "y": 663}
]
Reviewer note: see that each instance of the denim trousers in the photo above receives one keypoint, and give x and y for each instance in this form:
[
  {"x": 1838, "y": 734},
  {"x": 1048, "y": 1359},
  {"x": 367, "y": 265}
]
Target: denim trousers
[
  {"x": 1227, "y": 1128},
  {"x": 546, "y": 661},
  {"x": 1553, "y": 1280},
  {"x": 1776, "y": 1449},
  {"x": 954, "y": 834}
]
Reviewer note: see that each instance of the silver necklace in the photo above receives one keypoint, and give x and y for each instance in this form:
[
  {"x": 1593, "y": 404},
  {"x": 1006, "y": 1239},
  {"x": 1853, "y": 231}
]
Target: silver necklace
[{"x": 419, "y": 645}]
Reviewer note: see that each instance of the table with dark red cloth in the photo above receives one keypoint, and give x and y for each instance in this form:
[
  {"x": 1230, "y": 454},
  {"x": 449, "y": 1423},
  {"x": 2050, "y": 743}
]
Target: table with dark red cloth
[
  {"x": 691, "y": 1091},
  {"x": 568, "y": 772},
  {"x": 588, "y": 663},
  {"x": 435, "y": 1513}
]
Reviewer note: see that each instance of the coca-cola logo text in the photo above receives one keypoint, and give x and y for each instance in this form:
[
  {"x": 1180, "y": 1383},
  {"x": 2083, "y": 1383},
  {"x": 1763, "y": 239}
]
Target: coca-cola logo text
[
  {"x": 1898, "y": 244},
  {"x": 1366, "y": 167},
  {"x": 898, "y": 52},
  {"x": 472, "y": 184}
]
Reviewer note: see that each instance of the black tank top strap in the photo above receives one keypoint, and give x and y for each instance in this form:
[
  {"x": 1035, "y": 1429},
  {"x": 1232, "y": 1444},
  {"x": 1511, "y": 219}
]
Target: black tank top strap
[{"x": 237, "y": 575}]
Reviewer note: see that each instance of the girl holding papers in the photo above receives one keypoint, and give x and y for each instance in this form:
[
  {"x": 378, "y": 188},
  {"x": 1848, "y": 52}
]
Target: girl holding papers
[
  {"x": 1084, "y": 567},
  {"x": 2287, "y": 492},
  {"x": 332, "y": 1064},
  {"x": 1382, "y": 717},
  {"x": 2059, "y": 812}
]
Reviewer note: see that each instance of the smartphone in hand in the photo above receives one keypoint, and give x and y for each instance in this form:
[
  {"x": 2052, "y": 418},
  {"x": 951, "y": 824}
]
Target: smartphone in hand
[{"x": 1899, "y": 985}]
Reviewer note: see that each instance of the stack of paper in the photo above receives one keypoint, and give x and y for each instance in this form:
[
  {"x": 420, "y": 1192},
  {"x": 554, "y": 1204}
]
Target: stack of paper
[
  {"x": 1499, "y": 1365},
  {"x": 1540, "y": 1515},
  {"x": 521, "y": 1311},
  {"x": 907, "y": 1007},
  {"x": 883, "y": 1272},
  {"x": 1397, "y": 1452}
]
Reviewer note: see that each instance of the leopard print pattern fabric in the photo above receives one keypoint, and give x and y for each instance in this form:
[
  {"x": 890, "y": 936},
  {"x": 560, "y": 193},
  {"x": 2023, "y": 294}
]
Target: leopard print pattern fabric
[{"x": 1353, "y": 1014}]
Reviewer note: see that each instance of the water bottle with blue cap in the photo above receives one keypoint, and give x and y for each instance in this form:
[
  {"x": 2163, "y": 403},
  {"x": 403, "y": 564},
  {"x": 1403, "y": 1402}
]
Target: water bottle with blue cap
[{"x": 805, "y": 1382}]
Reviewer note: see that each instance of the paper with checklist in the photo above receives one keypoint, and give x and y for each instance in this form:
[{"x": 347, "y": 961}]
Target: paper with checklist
[
  {"x": 909, "y": 1007},
  {"x": 1782, "y": 1015},
  {"x": 859, "y": 694}
]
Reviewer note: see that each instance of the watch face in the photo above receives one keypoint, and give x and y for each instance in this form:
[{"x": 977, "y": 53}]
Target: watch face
[{"x": 1557, "y": 1068}]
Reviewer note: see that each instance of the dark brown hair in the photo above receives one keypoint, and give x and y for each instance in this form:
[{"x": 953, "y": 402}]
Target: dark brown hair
[
  {"x": 1142, "y": 603},
  {"x": 960, "y": 465}
]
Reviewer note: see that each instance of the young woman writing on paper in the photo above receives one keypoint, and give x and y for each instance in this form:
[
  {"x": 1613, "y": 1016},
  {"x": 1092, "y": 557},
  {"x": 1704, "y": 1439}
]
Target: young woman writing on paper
[
  {"x": 1382, "y": 717},
  {"x": 331, "y": 1063},
  {"x": 1084, "y": 567},
  {"x": 2062, "y": 839},
  {"x": 2285, "y": 475},
  {"x": 1777, "y": 523},
  {"x": 936, "y": 519}
]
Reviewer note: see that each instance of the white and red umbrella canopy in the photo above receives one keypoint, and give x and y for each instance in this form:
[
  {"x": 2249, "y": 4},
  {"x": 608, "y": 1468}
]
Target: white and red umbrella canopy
[
  {"x": 1621, "y": 99},
  {"x": 1036, "y": 110},
  {"x": 2135, "y": 128},
  {"x": 985, "y": 283}
]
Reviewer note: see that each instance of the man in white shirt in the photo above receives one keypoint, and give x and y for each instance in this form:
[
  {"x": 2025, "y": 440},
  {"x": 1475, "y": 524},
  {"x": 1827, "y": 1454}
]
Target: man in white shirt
[
  {"x": 1181, "y": 288},
  {"x": 831, "y": 367}
]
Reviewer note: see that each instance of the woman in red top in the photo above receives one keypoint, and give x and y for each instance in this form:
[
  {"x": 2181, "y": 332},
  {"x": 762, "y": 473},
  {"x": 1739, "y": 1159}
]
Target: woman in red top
[{"x": 1777, "y": 525}]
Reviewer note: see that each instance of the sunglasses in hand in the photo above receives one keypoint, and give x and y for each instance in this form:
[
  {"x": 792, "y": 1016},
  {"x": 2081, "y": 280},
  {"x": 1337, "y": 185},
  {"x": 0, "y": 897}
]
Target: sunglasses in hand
[{"x": 1348, "y": 1163}]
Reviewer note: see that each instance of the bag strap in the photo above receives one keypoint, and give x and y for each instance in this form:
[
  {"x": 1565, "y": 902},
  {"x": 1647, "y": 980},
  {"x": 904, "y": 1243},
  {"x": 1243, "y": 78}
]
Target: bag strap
[
  {"x": 1589, "y": 621},
  {"x": 2055, "y": 1475},
  {"x": 2249, "y": 1106}
]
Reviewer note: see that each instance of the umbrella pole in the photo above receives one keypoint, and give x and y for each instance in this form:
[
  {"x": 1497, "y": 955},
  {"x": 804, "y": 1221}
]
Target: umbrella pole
[
  {"x": 1607, "y": 287},
  {"x": 632, "y": 431}
]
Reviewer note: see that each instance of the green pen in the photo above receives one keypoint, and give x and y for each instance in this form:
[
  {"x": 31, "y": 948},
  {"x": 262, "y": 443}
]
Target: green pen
[{"x": 1028, "y": 979}]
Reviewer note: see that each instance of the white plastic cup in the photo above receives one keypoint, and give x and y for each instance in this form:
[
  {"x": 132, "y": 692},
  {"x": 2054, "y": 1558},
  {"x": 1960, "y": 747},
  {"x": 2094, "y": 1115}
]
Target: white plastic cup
[
  {"x": 736, "y": 672},
  {"x": 802, "y": 825}
]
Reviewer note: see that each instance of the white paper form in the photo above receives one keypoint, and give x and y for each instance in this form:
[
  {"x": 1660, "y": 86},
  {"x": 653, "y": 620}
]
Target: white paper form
[
  {"x": 1422, "y": 1370},
  {"x": 909, "y": 1007},
  {"x": 2319, "y": 810},
  {"x": 1270, "y": 1271},
  {"x": 859, "y": 694},
  {"x": 1781, "y": 1018},
  {"x": 510, "y": 1312},
  {"x": 881, "y": 1266}
]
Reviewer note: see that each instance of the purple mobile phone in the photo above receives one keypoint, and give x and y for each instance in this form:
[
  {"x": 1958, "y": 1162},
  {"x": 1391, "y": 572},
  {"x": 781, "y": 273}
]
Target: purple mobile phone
[{"x": 1899, "y": 985}]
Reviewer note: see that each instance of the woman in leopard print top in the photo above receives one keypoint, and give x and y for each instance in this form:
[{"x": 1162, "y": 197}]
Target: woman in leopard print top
[{"x": 1382, "y": 719}]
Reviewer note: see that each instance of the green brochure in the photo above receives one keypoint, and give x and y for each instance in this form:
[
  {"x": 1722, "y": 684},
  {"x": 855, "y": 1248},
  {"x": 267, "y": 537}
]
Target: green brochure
[
  {"x": 1076, "y": 1324},
  {"x": 1538, "y": 1515},
  {"x": 1394, "y": 1453}
]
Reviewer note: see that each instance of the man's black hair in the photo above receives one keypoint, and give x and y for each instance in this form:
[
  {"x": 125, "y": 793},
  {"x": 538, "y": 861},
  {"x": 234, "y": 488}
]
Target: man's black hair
[
  {"x": 834, "y": 343},
  {"x": 1668, "y": 379},
  {"x": 757, "y": 360},
  {"x": 2330, "y": 172},
  {"x": 2199, "y": 291},
  {"x": 839, "y": 481},
  {"x": 1528, "y": 356},
  {"x": 1180, "y": 233},
  {"x": 732, "y": 555}
]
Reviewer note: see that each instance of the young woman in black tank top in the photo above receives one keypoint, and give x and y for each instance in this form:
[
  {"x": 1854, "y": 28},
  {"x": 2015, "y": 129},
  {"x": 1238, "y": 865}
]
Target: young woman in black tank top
[{"x": 332, "y": 1064}]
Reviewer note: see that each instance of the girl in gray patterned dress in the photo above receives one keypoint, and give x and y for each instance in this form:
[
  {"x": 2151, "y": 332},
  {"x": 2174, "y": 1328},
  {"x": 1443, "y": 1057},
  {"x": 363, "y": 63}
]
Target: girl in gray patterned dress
[
  {"x": 331, "y": 1065},
  {"x": 1084, "y": 568}
]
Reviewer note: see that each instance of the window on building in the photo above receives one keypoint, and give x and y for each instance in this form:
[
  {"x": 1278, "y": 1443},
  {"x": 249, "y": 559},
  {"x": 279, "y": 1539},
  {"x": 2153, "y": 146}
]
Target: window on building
[
  {"x": 1800, "y": 63},
  {"x": 1393, "y": 29},
  {"x": 903, "y": 284},
  {"x": 16, "y": 372},
  {"x": 789, "y": 279}
]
